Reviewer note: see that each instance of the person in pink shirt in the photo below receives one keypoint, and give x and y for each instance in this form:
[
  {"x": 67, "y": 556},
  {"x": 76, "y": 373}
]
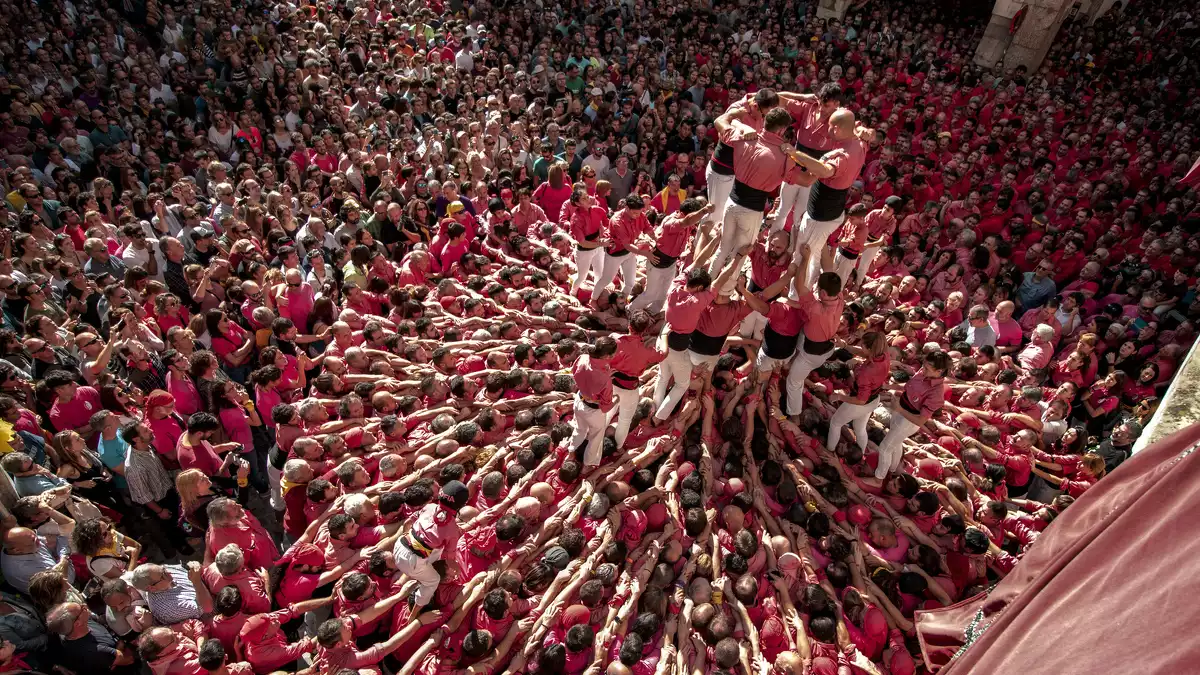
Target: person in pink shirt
[
  {"x": 593, "y": 399},
  {"x": 690, "y": 295},
  {"x": 823, "y": 314},
  {"x": 851, "y": 242},
  {"x": 881, "y": 229},
  {"x": 1040, "y": 350},
  {"x": 434, "y": 536},
  {"x": 870, "y": 378},
  {"x": 620, "y": 244},
  {"x": 229, "y": 569},
  {"x": 836, "y": 171},
  {"x": 810, "y": 117},
  {"x": 633, "y": 357},
  {"x": 527, "y": 214},
  {"x": 73, "y": 405},
  {"x": 587, "y": 225},
  {"x": 1008, "y": 331},
  {"x": 923, "y": 396},
  {"x": 759, "y": 165},
  {"x": 671, "y": 239}
]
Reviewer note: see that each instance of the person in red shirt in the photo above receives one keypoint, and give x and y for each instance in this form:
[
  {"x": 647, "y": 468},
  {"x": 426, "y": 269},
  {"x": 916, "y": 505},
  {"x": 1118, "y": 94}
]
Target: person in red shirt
[
  {"x": 836, "y": 171},
  {"x": 810, "y": 115},
  {"x": 434, "y": 536},
  {"x": 719, "y": 176},
  {"x": 593, "y": 399},
  {"x": 691, "y": 294},
  {"x": 674, "y": 232},
  {"x": 870, "y": 377},
  {"x": 587, "y": 223},
  {"x": 852, "y": 242},
  {"x": 923, "y": 396},
  {"x": 759, "y": 164},
  {"x": 620, "y": 237},
  {"x": 822, "y": 317},
  {"x": 768, "y": 263},
  {"x": 633, "y": 357},
  {"x": 881, "y": 228}
]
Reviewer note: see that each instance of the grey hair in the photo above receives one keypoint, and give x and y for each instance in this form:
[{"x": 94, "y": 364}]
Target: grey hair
[
  {"x": 293, "y": 469},
  {"x": 1046, "y": 332},
  {"x": 142, "y": 577},
  {"x": 218, "y": 509},
  {"x": 355, "y": 504},
  {"x": 229, "y": 560},
  {"x": 62, "y": 618},
  {"x": 306, "y": 406}
]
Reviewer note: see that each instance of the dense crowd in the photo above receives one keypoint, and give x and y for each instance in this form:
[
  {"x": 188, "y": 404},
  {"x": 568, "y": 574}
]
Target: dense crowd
[{"x": 643, "y": 338}]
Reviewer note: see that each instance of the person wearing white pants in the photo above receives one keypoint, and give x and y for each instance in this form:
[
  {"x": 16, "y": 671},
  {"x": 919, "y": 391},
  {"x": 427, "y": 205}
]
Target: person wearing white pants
[
  {"x": 593, "y": 399},
  {"x": 791, "y": 196},
  {"x": 587, "y": 223},
  {"x": 671, "y": 239},
  {"x": 850, "y": 245},
  {"x": 881, "y": 227},
  {"x": 823, "y": 311},
  {"x": 624, "y": 228},
  {"x": 815, "y": 235},
  {"x": 434, "y": 530},
  {"x": 632, "y": 358},
  {"x": 810, "y": 113},
  {"x": 923, "y": 397},
  {"x": 870, "y": 376},
  {"x": 835, "y": 171},
  {"x": 759, "y": 163},
  {"x": 739, "y": 228},
  {"x": 690, "y": 296},
  {"x": 768, "y": 263}
]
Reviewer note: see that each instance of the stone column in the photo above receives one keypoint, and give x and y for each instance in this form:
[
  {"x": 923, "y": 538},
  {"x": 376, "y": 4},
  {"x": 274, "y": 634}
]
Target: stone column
[
  {"x": 1032, "y": 40},
  {"x": 832, "y": 9}
]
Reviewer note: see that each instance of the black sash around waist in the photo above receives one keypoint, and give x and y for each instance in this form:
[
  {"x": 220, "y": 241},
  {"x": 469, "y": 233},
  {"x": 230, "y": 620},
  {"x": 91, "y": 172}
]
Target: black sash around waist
[
  {"x": 777, "y": 345},
  {"x": 617, "y": 253},
  {"x": 722, "y": 160},
  {"x": 747, "y": 197},
  {"x": 707, "y": 345},
  {"x": 753, "y": 287},
  {"x": 817, "y": 348},
  {"x": 679, "y": 341},
  {"x": 664, "y": 260},
  {"x": 907, "y": 405},
  {"x": 847, "y": 253},
  {"x": 826, "y": 203},
  {"x": 624, "y": 380}
]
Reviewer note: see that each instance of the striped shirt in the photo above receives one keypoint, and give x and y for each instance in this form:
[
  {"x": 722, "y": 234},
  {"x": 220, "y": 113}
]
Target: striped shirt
[
  {"x": 148, "y": 480},
  {"x": 177, "y": 603}
]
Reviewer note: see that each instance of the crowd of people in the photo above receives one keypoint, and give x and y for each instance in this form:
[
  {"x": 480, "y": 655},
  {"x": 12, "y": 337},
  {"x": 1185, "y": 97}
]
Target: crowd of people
[{"x": 643, "y": 338}]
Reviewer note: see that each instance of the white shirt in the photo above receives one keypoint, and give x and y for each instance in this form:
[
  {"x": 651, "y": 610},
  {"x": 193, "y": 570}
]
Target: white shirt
[
  {"x": 163, "y": 93},
  {"x": 599, "y": 164}
]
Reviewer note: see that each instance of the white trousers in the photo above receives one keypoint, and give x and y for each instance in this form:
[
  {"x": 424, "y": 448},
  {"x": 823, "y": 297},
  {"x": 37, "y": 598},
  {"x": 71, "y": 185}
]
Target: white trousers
[
  {"x": 802, "y": 365},
  {"x": 719, "y": 188},
  {"x": 854, "y": 415},
  {"x": 866, "y": 260},
  {"x": 627, "y": 264},
  {"x": 658, "y": 283},
  {"x": 891, "y": 450},
  {"x": 790, "y": 197},
  {"x": 678, "y": 367},
  {"x": 275, "y": 478},
  {"x": 753, "y": 326},
  {"x": 420, "y": 569},
  {"x": 815, "y": 233},
  {"x": 627, "y": 402},
  {"x": 587, "y": 260},
  {"x": 590, "y": 424},
  {"x": 843, "y": 266},
  {"x": 739, "y": 227}
]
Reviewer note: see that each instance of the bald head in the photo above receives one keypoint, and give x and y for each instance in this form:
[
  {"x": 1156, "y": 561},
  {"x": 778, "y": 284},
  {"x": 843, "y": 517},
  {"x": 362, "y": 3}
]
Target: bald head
[
  {"x": 20, "y": 541},
  {"x": 842, "y": 123}
]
